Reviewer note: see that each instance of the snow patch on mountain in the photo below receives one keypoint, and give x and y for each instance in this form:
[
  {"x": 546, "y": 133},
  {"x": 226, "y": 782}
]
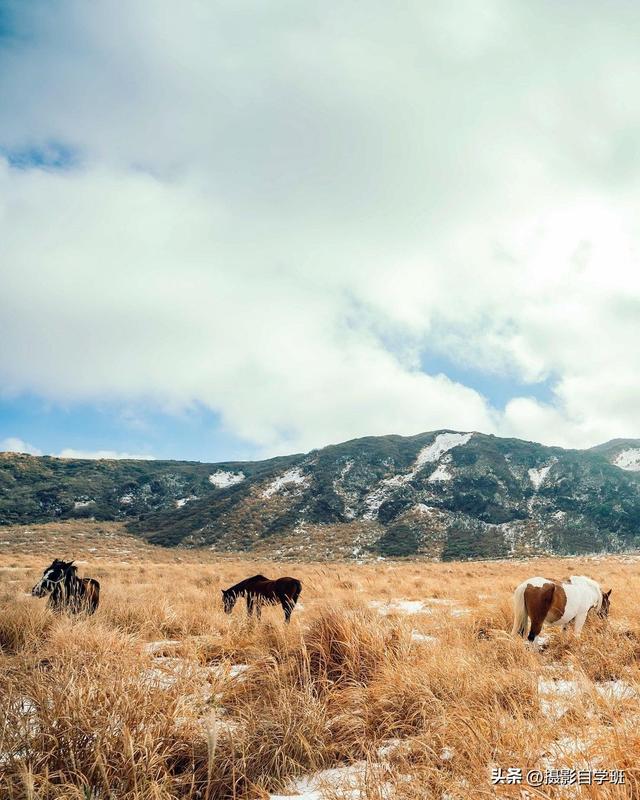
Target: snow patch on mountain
[
  {"x": 292, "y": 477},
  {"x": 182, "y": 501},
  {"x": 538, "y": 474},
  {"x": 223, "y": 479},
  {"x": 376, "y": 498},
  {"x": 432, "y": 452},
  {"x": 78, "y": 504},
  {"x": 439, "y": 446},
  {"x": 348, "y": 498},
  {"x": 423, "y": 508},
  {"x": 628, "y": 459},
  {"x": 441, "y": 473}
]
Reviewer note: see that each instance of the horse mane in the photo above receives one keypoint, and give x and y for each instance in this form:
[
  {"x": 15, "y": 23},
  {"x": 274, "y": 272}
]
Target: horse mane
[{"x": 246, "y": 582}]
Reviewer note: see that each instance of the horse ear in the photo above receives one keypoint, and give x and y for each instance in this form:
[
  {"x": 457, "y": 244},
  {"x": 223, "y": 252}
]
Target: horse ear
[{"x": 606, "y": 594}]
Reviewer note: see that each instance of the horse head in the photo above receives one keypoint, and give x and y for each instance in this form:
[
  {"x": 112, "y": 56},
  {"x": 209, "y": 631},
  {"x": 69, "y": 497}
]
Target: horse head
[
  {"x": 54, "y": 574},
  {"x": 603, "y": 611},
  {"x": 228, "y": 600}
]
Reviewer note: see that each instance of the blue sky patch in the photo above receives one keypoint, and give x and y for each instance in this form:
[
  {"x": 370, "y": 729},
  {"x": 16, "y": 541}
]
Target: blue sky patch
[
  {"x": 196, "y": 435},
  {"x": 496, "y": 388},
  {"x": 52, "y": 155}
]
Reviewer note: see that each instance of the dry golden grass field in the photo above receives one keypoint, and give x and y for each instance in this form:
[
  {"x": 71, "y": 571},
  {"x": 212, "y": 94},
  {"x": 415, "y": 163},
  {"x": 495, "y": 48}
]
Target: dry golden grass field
[{"x": 393, "y": 680}]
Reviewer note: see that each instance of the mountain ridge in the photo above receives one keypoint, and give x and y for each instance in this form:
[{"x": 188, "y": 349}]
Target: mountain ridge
[{"x": 443, "y": 494}]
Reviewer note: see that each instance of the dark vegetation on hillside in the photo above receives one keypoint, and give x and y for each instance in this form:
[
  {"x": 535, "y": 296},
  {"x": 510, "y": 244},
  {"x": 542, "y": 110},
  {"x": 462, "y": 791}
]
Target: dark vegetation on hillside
[{"x": 488, "y": 505}]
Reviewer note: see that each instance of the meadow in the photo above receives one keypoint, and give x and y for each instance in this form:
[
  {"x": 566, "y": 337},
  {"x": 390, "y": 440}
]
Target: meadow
[{"x": 393, "y": 680}]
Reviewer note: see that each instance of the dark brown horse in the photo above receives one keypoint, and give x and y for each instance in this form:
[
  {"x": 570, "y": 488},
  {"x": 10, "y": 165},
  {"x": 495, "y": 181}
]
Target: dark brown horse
[
  {"x": 260, "y": 590},
  {"x": 67, "y": 591}
]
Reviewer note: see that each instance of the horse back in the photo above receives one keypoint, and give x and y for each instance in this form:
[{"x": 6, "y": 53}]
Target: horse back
[
  {"x": 281, "y": 587},
  {"x": 249, "y": 583},
  {"x": 289, "y": 586}
]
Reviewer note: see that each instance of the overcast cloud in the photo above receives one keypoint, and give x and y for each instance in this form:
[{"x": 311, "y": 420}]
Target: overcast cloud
[{"x": 280, "y": 212}]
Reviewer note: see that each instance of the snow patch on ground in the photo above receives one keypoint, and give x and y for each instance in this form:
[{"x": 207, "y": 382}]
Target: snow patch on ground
[
  {"x": 628, "y": 459},
  {"x": 400, "y": 606},
  {"x": 167, "y": 670},
  {"x": 424, "y": 638},
  {"x": 347, "y": 782},
  {"x": 235, "y": 670},
  {"x": 223, "y": 479},
  {"x": 557, "y": 696},
  {"x": 389, "y": 746},
  {"x": 616, "y": 690},
  {"x": 571, "y": 750},
  {"x": 160, "y": 646},
  {"x": 440, "y": 601},
  {"x": 292, "y": 477},
  {"x": 538, "y": 474}
]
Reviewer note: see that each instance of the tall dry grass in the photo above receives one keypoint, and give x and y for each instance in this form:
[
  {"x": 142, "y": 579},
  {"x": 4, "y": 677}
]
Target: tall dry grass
[{"x": 225, "y": 707}]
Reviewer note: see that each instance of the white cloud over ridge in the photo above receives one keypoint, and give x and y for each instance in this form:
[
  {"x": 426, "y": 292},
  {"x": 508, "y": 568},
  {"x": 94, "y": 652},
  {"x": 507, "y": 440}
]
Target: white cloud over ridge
[
  {"x": 274, "y": 213},
  {"x": 13, "y": 444},
  {"x": 69, "y": 452}
]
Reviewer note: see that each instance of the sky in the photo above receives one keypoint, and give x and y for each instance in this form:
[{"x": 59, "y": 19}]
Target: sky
[{"x": 238, "y": 229}]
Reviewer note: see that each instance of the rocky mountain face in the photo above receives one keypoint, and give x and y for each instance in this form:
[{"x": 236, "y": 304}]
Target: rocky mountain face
[{"x": 442, "y": 494}]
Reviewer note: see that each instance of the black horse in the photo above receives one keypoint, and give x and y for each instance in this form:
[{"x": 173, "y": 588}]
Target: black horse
[
  {"x": 259, "y": 590},
  {"x": 67, "y": 591}
]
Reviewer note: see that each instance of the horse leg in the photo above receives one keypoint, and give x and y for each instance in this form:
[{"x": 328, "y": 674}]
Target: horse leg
[
  {"x": 579, "y": 622},
  {"x": 259, "y": 607},
  {"x": 288, "y": 604},
  {"x": 536, "y": 627},
  {"x": 249, "y": 604},
  {"x": 538, "y": 614}
]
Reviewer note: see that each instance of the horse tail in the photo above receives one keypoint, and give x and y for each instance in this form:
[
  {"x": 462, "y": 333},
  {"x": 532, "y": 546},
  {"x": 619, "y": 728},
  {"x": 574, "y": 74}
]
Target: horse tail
[
  {"x": 520, "y": 615},
  {"x": 94, "y": 595}
]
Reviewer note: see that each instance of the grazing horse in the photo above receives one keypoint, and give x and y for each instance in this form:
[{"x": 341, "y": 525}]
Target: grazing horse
[
  {"x": 556, "y": 602},
  {"x": 259, "y": 590},
  {"x": 67, "y": 591}
]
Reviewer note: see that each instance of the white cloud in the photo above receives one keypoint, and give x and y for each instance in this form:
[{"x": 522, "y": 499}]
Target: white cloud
[
  {"x": 97, "y": 454},
  {"x": 276, "y": 211},
  {"x": 12, "y": 444}
]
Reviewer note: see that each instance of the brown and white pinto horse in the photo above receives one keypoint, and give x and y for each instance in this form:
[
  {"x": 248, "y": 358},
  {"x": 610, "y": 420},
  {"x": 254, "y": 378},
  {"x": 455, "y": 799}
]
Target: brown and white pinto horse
[
  {"x": 556, "y": 602},
  {"x": 260, "y": 590},
  {"x": 67, "y": 591}
]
